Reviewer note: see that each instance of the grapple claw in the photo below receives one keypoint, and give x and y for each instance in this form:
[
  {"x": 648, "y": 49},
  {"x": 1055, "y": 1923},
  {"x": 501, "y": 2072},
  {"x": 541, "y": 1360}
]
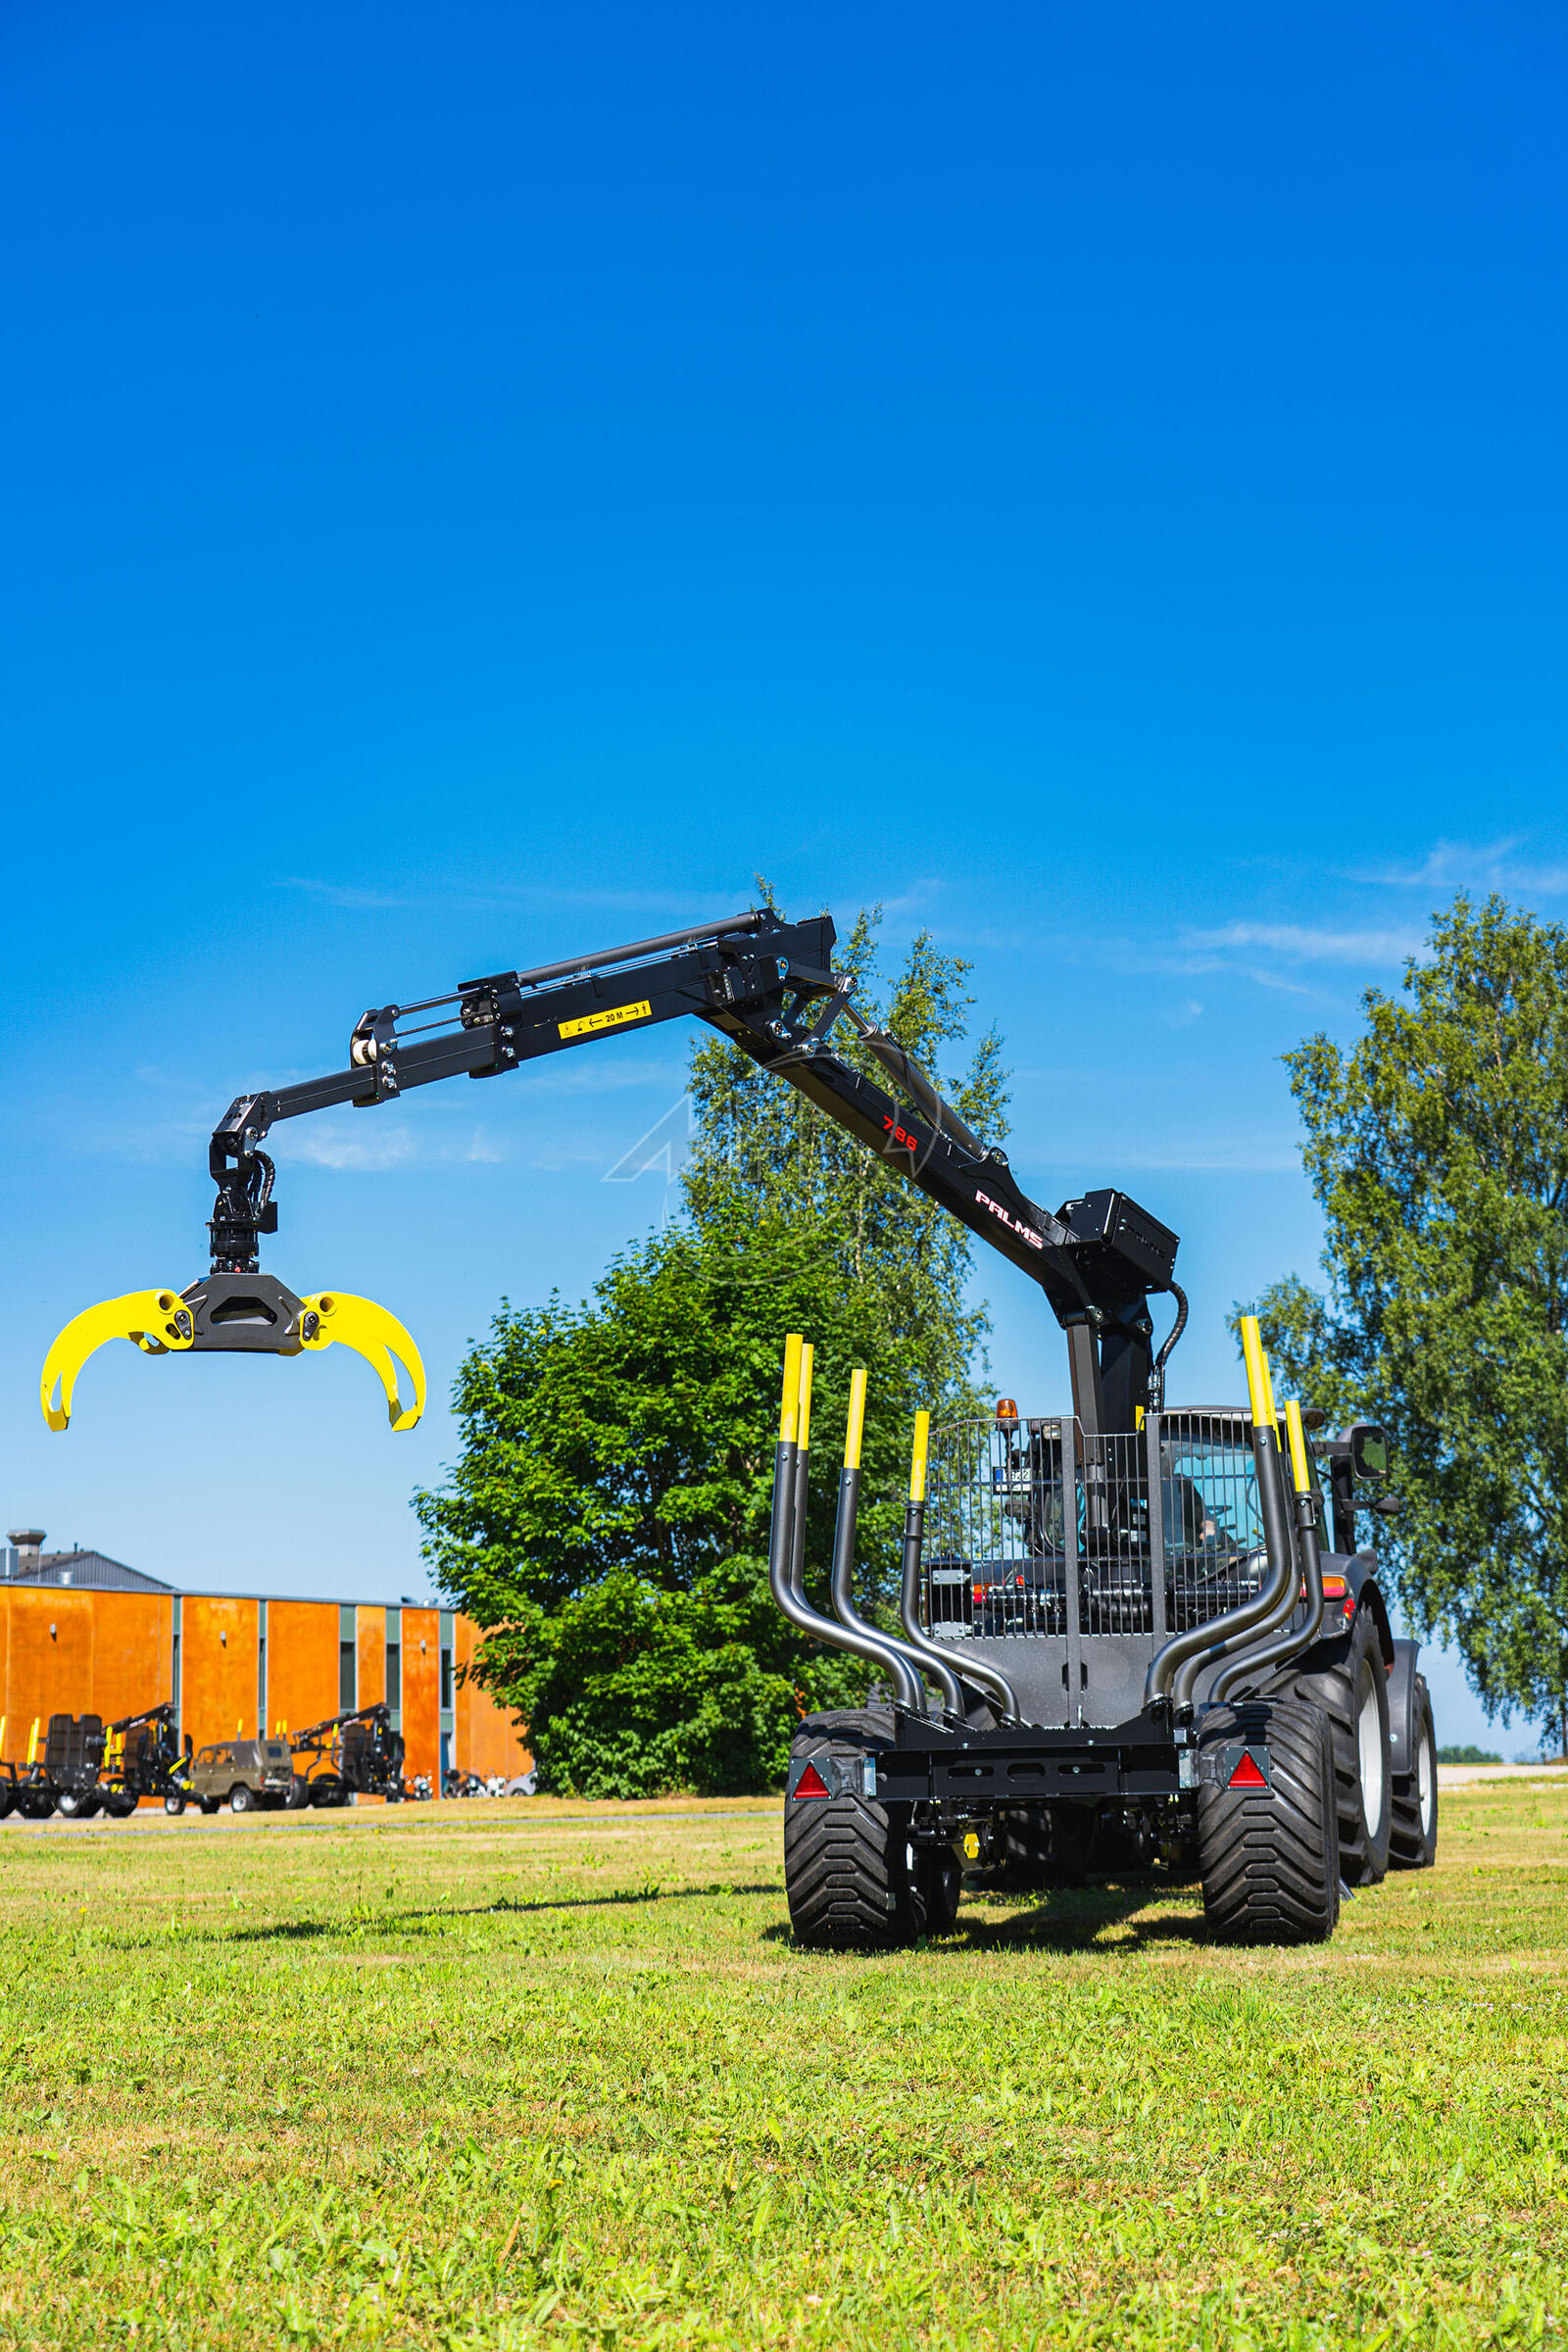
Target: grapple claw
[
  {"x": 373, "y": 1333},
  {"x": 155, "y": 1320}
]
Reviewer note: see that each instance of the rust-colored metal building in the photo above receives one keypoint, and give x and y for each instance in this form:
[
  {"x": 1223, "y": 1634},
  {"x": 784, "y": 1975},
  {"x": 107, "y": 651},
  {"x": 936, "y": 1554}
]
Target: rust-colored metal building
[{"x": 82, "y": 1634}]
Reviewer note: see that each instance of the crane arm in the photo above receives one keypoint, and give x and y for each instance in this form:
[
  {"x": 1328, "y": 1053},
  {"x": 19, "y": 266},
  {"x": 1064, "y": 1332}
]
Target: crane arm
[{"x": 770, "y": 988}]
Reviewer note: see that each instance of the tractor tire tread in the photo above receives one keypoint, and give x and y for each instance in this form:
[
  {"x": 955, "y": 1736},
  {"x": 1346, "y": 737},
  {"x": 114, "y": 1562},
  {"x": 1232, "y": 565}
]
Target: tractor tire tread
[
  {"x": 1270, "y": 1862},
  {"x": 846, "y": 1870},
  {"x": 1410, "y": 1846},
  {"x": 1331, "y": 1685}
]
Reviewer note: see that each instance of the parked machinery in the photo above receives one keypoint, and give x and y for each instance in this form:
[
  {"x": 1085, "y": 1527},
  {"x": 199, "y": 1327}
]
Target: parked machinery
[
  {"x": 356, "y": 1753},
  {"x": 79, "y": 1766},
  {"x": 23, "y": 1789},
  {"x": 145, "y": 1757}
]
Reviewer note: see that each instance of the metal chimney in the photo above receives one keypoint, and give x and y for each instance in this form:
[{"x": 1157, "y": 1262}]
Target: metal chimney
[{"x": 29, "y": 1541}]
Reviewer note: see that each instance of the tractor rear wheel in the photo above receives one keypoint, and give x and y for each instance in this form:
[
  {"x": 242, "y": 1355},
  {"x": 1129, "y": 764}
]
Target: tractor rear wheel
[
  {"x": 1413, "y": 1838},
  {"x": 852, "y": 1875},
  {"x": 1349, "y": 1682},
  {"x": 1268, "y": 1831}
]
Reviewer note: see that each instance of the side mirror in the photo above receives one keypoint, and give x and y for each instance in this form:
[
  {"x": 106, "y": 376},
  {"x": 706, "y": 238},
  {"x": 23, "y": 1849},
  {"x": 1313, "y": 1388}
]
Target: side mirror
[{"x": 1369, "y": 1452}]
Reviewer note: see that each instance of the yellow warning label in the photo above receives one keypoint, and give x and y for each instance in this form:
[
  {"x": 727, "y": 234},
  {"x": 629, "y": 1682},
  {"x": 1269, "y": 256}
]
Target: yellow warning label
[{"x": 606, "y": 1020}]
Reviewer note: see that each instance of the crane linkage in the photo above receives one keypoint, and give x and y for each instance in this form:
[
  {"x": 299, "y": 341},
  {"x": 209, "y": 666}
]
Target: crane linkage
[{"x": 770, "y": 988}]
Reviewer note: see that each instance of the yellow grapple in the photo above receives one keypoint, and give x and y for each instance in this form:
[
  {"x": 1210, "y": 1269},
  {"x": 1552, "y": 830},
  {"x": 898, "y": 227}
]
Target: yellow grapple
[{"x": 238, "y": 1314}]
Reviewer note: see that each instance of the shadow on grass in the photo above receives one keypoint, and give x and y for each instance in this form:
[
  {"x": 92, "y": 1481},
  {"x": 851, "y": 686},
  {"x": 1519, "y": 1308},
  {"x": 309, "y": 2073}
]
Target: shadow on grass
[
  {"x": 305, "y": 1931},
  {"x": 1064, "y": 1919}
]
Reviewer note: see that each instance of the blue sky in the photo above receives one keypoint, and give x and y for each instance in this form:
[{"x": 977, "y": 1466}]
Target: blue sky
[{"x": 485, "y": 481}]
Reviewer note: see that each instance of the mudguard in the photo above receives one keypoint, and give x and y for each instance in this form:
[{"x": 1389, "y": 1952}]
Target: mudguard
[
  {"x": 1402, "y": 1708},
  {"x": 158, "y": 1321},
  {"x": 376, "y": 1335}
]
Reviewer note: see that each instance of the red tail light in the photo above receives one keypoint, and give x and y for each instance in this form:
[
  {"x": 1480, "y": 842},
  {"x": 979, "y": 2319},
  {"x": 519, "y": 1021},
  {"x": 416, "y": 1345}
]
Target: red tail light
[
  {"x": 1247, "y": 1773},
  {"x": 811, "y": 1782}
]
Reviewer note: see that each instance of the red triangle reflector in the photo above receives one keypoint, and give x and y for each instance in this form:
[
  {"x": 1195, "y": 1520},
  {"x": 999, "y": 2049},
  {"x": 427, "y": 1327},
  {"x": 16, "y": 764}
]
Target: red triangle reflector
[
  {"x": 1247, "y": 1773},
  {"x": 811, "y": 1782}
]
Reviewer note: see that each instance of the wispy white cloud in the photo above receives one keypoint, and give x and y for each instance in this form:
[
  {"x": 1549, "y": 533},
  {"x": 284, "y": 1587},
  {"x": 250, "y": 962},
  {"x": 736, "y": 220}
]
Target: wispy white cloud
[
  {"x": 1469, "y": 865},
  {"x": 370, "y": 1150},
  {"x": 346, "y": 894},
  {"x": 1306, "y": 943}
]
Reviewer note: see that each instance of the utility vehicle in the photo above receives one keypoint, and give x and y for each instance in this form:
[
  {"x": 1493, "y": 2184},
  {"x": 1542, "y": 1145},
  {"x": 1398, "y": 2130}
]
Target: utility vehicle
[{"x": 246, "y": 1775}]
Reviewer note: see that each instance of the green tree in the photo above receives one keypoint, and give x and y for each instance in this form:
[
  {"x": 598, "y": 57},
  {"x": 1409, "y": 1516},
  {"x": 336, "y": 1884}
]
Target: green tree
[
  {"x": 1438, "y": 1150},
  {"x": 762, "y": 1149},
  {"x": 606, "y": 1520}
]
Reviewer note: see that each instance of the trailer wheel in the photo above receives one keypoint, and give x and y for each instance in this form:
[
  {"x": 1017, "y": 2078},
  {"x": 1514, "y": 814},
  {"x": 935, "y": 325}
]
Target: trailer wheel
[
  {"x": 1413, "y": 1836},
  {"x": 77, "y": 1804},
  {"x": 299, "y": 1793},
  {"x": 8, "y": 1798},
  {"x": 940, "y": 1876},
  {"x": 851, "y": 1873},
  {"x": 120, "y": 1805},
  {"x": 1268, "y": 1843},
  {"x": 175, "y": 1804},
  {"x": 1351, "y": 1684}
]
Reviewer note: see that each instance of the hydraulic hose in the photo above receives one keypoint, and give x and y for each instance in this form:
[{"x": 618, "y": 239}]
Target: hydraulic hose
[
  {"x": 1276, "y": 1602},
  {"x": 803, "y": 1471},
  {"x": 788, "y": 1482},
  {"x": 871, "y": 1642},
  {"x": 1173, "y": 1670},
  {"x": 1291, "y": 1641},
  {"x": 934, "y": 1661}
]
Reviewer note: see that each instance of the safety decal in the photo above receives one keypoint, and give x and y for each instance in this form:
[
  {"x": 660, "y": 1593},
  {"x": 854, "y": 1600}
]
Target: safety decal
[{"x": 606, "y": 1020}]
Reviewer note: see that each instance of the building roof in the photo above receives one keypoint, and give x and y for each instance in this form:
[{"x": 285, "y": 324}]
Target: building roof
[{"x": 93, "y": 1570}]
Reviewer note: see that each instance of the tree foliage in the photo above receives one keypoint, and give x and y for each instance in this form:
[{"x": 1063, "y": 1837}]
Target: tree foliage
[
  {"x": 607, "y": 1519},
  {"x": 1437, "y": 1149},
  {"x": 761, "y": 1147}
]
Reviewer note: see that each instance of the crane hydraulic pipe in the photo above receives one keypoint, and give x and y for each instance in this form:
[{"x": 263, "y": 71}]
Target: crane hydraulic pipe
[
  {"x": 1296, "y": 1639},
  {"x": 934, "y": 1661},
  {"x": 1207, "y": 1642},
  {"x": 803, "y": 1464},
  {"x": 1276, "y": 1602},
  {"x": 905, "y": 1680},
  {"x": 782, "y": 1543}
]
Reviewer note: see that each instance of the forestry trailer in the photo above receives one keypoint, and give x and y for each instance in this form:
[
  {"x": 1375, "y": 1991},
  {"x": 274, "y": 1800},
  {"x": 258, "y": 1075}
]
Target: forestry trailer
[{"x": 1125, "y": 1631}]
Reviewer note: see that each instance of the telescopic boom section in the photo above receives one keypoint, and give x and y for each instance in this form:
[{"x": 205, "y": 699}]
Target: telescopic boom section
[{"x": 769, "y": 986}]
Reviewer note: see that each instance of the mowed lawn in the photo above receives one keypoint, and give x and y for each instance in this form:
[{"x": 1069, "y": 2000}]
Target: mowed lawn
[{"x": 490, "y": 2074}]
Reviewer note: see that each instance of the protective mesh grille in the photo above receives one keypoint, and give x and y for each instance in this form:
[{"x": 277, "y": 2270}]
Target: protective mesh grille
[
  {"x": 1005, "y": 1555},
  {"x": 1212, "y": 1531},
  {"x": 995, "y": 1530}
]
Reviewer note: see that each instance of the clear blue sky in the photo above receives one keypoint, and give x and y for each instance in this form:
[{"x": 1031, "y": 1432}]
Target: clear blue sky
[{"x": 485, "y": 480}]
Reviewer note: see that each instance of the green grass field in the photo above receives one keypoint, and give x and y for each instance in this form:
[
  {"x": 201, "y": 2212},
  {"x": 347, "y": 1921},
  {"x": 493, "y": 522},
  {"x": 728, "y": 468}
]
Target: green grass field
[{"x": 501, "y": 2076}]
